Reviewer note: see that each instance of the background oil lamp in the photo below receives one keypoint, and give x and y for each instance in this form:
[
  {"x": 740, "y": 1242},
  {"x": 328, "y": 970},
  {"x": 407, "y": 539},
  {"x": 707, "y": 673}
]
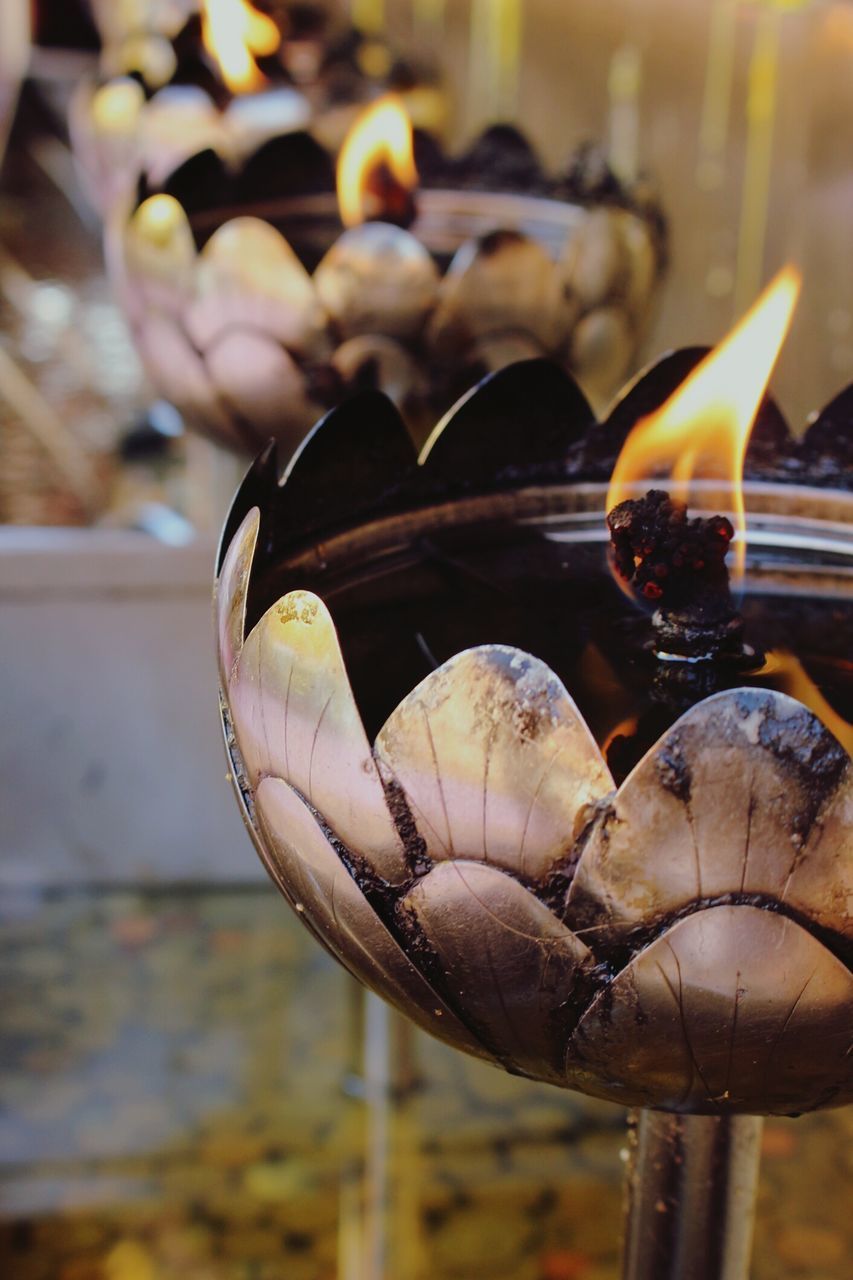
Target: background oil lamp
[
  {"x": 576, "y": 849},
  {"x": 487, "y": 260},
  {"x": 222, "y": 76}
]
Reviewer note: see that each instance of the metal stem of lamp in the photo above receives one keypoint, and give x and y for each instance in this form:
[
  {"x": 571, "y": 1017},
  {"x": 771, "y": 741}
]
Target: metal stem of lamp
[{"x": 690, "y": 1202}]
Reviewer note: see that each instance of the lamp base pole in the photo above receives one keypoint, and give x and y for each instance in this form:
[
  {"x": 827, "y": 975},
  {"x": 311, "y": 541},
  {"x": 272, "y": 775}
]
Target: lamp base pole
[{"x": 691, "y": 1197}]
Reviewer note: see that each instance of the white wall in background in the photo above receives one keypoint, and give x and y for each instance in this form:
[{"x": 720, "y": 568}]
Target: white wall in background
[{"x": 111, "y": 759}]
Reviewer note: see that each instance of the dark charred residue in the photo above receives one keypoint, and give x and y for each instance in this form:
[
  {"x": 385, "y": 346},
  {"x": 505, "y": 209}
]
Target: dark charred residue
[
  {"x": 554, "y": 890},
  {"x": 407, "y": 929},
  {"x": 413, "y": 842},
  {"x": 388, "y": 901},
  {"x": 811, "y": 754},
  {"x": 591, "y": 982},
  {"x": 672, "y": 770},
  {"x": 532, "y": 716},
  {"x": 710, "y": 631},
  {"x": 495, "y": 241},
  {"x": 379, "y": 893},
  {"x": 235, "y": 760},
  {"x": 618, "y": 952},
  {"x": 401, "y": 922},
  {"x": 576, "y": 1038}
]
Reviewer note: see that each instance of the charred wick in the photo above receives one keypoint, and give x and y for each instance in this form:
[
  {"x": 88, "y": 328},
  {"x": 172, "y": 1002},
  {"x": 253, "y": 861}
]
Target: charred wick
[
  {"x": 666, "y": 558},
  {"x": 677, "y": 564},
  {"x": 396, "y": 202}
]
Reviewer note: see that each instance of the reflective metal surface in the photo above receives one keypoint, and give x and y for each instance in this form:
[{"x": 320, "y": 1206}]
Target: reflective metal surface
[{"x": 681, "y": 941}]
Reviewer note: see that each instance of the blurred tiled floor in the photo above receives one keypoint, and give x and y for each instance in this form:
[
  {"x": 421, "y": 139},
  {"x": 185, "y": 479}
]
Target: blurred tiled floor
[{"x": 174, "y": 1108}]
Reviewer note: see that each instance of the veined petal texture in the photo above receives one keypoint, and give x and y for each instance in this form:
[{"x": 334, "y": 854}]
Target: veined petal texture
[
  {"x": 746, "y": 795},
  {"x": 734, "y": 1008},
  {"x": 321, "y": 886},
  {"x": 495, "y": 760},
  {"x": 295, "y": 718},
  {"x": 512, "y": 967}
]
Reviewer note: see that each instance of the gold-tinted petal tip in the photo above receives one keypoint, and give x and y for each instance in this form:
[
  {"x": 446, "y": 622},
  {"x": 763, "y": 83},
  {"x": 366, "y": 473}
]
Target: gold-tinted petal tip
[{"x": 295, "y": 718}]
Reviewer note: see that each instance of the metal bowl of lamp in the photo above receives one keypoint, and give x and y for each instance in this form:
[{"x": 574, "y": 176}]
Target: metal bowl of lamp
[
  {"x": 254, "y": 312},
  {"x": 603, "y": 836},
  {"x": 190, "y": 76}
]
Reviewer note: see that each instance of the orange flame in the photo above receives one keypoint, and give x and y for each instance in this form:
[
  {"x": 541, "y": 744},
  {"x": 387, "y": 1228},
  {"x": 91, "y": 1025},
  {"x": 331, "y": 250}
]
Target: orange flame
[
  {"x": 381, "y": 134},
  {"x": 703, "y": 428},
  {"x": 233, "y": 31},
  {"x": 794, "y": 680}
]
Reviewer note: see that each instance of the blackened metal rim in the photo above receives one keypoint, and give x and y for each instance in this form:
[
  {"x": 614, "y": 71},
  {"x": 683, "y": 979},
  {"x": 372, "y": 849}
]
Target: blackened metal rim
[
  {"x": 441, "y": 211},
  {"x": 812, "y": 528}
]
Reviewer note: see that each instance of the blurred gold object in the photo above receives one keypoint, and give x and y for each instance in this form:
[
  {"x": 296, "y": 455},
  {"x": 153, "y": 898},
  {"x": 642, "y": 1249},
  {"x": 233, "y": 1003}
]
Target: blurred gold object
[
  {"x": 368, "y": 15},
  {"x": 429, "y": 17},
  {"x": 760, "y": 114},
  {"x": 494, "y": 59},
  {"x": 623, "y": 86}
]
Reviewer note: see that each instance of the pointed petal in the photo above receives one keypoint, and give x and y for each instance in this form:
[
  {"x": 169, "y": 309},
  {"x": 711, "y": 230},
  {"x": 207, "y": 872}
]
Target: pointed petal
[
  {"x": 522, "y": 418},
  {"x": 601, "y": 349},
  {"x": 231, "y": 588},
  {"x": 295, "y": 718},
  {"x": 249, "y": 276},
  {"x": 643, "y": 395},
  {"x": 495, "y": 760},
  {"x": 820, "y": 884},
  {"x": 826, "y": 451},
  {"x": 201, "y": 183},
  {"x": 352, "y": 462},
  {"x": 653, "y": 385},
  {"x": 595, "y": 264},
  {"x": 770, "y": 439},
  {"x": 512, "y": 962},
  {"x": 734, "y": 1009},
  {"x": 748, "y": 793},
  {"x": 158, "y": 256},
  {"x": 258, "y": 488},
  {"x": 290, "y": 164},
  {"x": 262, "y": 386},
  {"x": 377, "y": 278},
  {"x": 502, "y": 281},
  {"x": 181, "y": 377},
  {"x": 320, "y": 885},
  {"x": 504, "y": 147},
  {"x": 181, "y": 121}
]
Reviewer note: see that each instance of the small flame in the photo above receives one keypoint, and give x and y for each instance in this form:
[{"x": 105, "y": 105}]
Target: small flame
[
  {"x": 381, "y": 135},
  {"x": 794, "y": 680},
  {"x": 703, "y": 428},
  {"x": 233, "y": 32}
]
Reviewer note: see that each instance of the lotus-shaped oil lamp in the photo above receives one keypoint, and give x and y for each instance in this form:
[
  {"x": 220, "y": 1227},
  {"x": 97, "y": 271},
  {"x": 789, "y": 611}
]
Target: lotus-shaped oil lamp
[
  {"x": 586, "y": 859},
  {"x": 254, "y": 311},
  {"x": 216, "y": 80}
]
